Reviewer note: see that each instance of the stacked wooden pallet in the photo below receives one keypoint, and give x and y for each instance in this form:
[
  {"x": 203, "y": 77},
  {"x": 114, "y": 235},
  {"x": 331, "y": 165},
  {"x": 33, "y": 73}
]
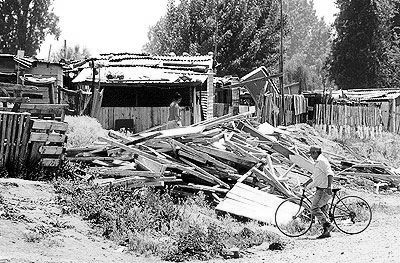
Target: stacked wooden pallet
[{"x": 47, "y": 142}]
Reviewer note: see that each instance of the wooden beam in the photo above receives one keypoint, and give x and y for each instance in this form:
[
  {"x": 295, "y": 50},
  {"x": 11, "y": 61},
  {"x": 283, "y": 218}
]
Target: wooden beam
[{"x": 217, "y": 180}]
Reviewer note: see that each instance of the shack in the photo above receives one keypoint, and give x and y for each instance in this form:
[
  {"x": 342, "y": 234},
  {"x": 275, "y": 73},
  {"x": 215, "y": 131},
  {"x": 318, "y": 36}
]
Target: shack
[
  {"x": 134, "y": 90},
  {"x": 33, "y": 83},
  {"x": 268, "y": 100}
]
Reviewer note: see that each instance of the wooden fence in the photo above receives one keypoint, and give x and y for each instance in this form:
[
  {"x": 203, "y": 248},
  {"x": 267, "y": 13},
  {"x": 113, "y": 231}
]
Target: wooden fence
[
  {"x": 13, "y": 138},
  {"x": 362, "y": 121},
  {"x": 141, "y": 118}
]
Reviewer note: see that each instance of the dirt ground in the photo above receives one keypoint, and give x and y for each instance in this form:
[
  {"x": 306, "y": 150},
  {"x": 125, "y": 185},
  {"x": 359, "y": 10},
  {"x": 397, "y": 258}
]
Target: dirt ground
[{"x": 34, "y": 229}]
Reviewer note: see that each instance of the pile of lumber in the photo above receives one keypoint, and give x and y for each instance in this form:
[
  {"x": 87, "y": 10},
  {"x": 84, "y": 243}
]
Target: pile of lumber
[{"x": 246, "y": 166}]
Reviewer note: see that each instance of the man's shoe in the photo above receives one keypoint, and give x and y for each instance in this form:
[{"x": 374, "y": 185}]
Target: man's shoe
[
  {"x": 329, "y": 228},
  {"x": 324, "y": 235},
  {"x": 327, "y": 231}
]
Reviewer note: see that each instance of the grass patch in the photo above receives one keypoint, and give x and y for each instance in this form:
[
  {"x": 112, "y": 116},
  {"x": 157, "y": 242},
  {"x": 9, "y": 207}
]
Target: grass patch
[
  {"x": 383, "y": 148},
  {"x": 153, "y": 222}
]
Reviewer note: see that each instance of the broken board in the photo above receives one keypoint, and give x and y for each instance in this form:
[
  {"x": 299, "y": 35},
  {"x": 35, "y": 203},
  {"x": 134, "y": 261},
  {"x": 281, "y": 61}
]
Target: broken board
[{"x": 243, "y": 200}]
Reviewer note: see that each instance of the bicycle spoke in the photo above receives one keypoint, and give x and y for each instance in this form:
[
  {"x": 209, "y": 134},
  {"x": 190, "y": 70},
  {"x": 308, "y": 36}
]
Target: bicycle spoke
[
  {"x": 344, "y": 204},
  {"x": 352, "y": 215},
  {"x": 292, "y": 219}
]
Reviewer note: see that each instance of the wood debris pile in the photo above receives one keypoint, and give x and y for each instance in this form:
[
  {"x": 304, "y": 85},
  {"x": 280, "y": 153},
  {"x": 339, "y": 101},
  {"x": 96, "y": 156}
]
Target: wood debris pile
[{"x": 244, "y": 165}]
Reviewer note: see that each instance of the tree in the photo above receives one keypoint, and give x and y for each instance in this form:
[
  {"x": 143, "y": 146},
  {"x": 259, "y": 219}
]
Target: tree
[
  {"x": 360, "y": 57},
  {"x": 24, "y": 24},
  {"x": 244, "y": 33},
  {"x": 72, "y": 53},
  {"x": 307, "y": 44}
]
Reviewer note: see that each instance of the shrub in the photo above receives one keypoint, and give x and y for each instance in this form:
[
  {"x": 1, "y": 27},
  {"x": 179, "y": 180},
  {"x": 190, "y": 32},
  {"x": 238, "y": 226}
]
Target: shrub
[
  {"x": 83, "y": 131},
  {"x": 149, "y": 221}
]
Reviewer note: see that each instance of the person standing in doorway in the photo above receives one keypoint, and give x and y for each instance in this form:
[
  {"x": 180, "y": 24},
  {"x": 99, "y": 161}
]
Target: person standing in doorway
[
  {"x": 322, "y": 181},
  {"x": 174, "y": 117}
]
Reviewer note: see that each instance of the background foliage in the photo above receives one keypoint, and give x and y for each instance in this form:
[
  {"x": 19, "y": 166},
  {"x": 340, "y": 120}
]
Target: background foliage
[
  {"x": 365, "y": 50},
  {"x": 244, "y": 33},
  {"x": 24, "y": 24}
]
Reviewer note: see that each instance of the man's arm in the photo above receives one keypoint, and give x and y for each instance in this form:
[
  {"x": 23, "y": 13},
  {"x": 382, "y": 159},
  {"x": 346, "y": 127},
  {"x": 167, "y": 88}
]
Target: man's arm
[
  {"x": 329, "y": 189},
  {"x": 177, "y": 113}
]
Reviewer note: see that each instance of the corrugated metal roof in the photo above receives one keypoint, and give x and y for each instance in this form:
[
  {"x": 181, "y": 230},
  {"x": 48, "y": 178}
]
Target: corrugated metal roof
[
  {"x": 144, "y": 68},
  {"x": 139, "y": 75},
  {"x": 195, "y": 63}
]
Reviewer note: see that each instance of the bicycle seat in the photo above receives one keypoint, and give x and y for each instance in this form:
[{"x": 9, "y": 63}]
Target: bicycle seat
[{"x": 335, "y": 190}]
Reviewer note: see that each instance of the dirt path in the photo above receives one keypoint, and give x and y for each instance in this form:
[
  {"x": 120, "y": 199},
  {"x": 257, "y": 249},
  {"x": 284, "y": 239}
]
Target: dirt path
[
  {"x": 379, "y": 243},
  {"x": 34, "y": 229}
]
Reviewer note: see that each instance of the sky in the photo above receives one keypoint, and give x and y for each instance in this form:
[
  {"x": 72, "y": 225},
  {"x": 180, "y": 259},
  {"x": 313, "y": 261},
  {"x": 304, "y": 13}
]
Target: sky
[{"x": 120, "y": 25}]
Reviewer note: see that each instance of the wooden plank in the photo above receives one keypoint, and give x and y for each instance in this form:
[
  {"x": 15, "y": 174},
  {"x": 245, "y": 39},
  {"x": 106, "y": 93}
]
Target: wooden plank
[
  {"x": 51, "y": 107},
  {"x": 10, "y": 123},
  {"x": 225, "y": 155},
  {"x": 49, "y": 125},
  {"x": 51, "y": 150},
  {"x": 125, "y": 147},
  {"x": 24, "y": 142},
  {"x": 203, "y": 188},
  {"x": 50, "y": 162},
  {"x": 19, "y": 136},
  {"x": 92, "y": 158},
  {"x": 269, "y": 177},
  {"x": 255, "y": 133},
  {"x": 207, "y": 157},
  {"x": 217, "y": 180},
  {"x": 197, "y": 174},
  {"x": 246, "y": 201},
  {"x": 190, "y": 156},
  {"x": 248, "y": 173},
  {"x": 270, "y": 166},
  {"x": 118, "y": 173},
  {"x": 13, "y": 137},
  {"x": 242, "y": 152},
  {"x": 4, "y": 121},
  {"x": 43, "y": 137},
  {"x": 150, "y": 164},
  {"x": 14, "y": 99},
  {"x": 132, "y": 140}
]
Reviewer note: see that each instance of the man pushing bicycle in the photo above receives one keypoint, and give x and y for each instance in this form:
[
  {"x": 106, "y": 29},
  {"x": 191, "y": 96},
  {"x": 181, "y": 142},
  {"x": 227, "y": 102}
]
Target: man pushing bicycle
[{"x": 322, "y": 181}]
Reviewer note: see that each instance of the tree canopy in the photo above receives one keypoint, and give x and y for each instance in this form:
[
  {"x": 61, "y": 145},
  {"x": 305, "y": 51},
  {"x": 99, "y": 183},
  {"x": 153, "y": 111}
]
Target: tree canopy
[
  {"x": 307, "y": 44},
  {"x": 24, "y": 24},
  {"x": 361, "y": 50},
  {"x": 72, "y": 53},
  {"x": 243, "y": 34}
]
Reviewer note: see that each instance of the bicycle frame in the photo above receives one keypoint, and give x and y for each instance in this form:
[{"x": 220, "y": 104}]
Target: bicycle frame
[{"x": 330, "y": 213}]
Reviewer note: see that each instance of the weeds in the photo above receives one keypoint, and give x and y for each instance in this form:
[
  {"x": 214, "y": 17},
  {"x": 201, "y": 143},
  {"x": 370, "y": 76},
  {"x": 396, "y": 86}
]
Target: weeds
[{"x": 147, "y": 221}]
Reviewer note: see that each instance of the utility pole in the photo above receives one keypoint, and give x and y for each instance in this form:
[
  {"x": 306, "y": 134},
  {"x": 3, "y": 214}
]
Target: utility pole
[
  {"x": 282, "y": 111},
  {"x": 65, "y": 49}
]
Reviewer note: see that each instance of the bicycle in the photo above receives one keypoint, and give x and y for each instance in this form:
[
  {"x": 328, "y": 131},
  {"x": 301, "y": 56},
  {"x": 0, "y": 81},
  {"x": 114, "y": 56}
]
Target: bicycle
[{"x": 351, "y": 214}]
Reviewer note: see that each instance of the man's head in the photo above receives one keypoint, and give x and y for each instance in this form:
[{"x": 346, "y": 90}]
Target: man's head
[
  {"x": 315, "y": 151},
  {"x": 177, "y": 97}
]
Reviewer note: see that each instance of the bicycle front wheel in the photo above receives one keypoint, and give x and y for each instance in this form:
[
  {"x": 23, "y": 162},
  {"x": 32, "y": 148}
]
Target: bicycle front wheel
[
  {"x": 352, "y": 214},
  {"x": 293, "y": 219}
]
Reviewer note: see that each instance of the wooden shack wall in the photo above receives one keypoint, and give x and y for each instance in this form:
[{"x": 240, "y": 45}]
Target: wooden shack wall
[{"x": 143, "y": 117}]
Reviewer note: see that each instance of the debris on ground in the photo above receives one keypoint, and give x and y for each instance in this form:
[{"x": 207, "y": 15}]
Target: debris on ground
[{"x": 234, "y": 159}]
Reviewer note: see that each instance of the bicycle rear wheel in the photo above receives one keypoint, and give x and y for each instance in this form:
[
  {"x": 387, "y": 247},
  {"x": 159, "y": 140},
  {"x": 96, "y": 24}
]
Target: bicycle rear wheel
[
  {"x": 352, "y": 214},
  {"x": 292, "y": 219}
]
